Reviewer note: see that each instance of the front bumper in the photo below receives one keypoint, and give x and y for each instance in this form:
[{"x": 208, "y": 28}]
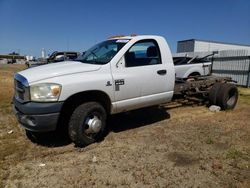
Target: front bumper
[{"x": 37, "y": 117}]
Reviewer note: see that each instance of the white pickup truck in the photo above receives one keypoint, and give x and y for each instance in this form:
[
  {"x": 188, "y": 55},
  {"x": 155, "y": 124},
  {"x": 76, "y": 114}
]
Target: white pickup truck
[
  {"x": 188, "y": 66},
  {"x": 117, "y": 75}
]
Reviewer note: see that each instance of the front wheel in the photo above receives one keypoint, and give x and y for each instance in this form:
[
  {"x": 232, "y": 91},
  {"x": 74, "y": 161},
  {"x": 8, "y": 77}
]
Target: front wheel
[{"x": 87, "y": 123}]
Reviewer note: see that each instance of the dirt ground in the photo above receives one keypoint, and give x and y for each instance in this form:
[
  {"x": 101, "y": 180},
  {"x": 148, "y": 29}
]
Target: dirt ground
[{"x": 188, "y": 146}]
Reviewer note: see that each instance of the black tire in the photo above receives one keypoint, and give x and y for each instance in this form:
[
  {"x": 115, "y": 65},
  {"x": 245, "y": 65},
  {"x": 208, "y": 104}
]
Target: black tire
[
  {"x": 227, "y": 96},
  {"x": 212, "y": 96},
  {"x": 81, "y": 131}
]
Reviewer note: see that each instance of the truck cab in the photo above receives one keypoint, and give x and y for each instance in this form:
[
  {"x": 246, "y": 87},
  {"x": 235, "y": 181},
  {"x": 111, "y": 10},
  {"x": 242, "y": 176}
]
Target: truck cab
[{"x": 117, "y": 75}]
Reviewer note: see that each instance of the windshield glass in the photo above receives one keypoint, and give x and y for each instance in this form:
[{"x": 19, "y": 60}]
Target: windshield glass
[{"x": 103, "y": 52}]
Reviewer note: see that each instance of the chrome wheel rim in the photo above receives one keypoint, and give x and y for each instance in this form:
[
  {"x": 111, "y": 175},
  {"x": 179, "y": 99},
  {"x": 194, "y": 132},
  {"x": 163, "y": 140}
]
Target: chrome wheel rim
[{"x": 93, "y": 125}]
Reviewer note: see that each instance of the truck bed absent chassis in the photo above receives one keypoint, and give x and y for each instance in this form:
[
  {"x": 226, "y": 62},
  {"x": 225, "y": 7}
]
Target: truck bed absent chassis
[
  {"x": 197, "y": 84},
  {"x": 79, "y": 95}
]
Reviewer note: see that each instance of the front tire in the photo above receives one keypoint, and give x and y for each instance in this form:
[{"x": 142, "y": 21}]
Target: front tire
[{"x": 87, "y": 123}]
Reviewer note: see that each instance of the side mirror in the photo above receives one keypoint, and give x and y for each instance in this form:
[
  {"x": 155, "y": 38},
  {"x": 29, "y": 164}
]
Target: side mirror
[{"x": 121, "y": 63}]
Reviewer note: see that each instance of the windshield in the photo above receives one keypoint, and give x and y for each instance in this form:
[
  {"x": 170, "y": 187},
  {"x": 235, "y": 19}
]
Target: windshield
[{"x": 103, "y": 52}]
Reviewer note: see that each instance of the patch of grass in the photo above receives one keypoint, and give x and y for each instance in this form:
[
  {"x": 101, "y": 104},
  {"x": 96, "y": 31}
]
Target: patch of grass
[
  {"x": 7, "y": 83},
  {"x": 244, "y": 91},
  {"x": 244, "y": 94},
  {"x": 11, "y": 144},
  {"x": 236, "y": 154},
  {"x": 209, "y": 141}
]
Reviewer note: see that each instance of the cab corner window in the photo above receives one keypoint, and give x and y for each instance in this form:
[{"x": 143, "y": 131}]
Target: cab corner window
[{"x": 142, "y": 53}]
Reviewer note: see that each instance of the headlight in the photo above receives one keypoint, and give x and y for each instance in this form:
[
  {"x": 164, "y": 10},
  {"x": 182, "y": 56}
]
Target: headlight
[{"x": 45, "y": 92}]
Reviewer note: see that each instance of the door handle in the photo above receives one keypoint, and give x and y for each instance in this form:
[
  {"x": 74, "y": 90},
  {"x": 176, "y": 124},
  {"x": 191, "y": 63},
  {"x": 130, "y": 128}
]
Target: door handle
[{"x": 162, "y": 72}]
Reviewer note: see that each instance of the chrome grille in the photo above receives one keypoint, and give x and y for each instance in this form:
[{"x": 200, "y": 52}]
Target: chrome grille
[
  {"x": 19, "y": 84},
  {"x": 21, "y": 88}
]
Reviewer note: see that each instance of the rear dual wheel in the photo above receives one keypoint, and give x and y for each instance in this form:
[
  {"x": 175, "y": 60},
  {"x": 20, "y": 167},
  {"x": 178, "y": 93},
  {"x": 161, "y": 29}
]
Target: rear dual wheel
[{"x": 224, "y": 95}]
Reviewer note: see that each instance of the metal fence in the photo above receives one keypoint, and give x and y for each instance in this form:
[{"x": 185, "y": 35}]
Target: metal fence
[{"x": 234, "y": 64}]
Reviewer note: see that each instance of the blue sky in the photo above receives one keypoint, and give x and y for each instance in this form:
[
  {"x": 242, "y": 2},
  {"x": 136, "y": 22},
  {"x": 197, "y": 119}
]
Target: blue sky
[{"x": 27, "y": 26}]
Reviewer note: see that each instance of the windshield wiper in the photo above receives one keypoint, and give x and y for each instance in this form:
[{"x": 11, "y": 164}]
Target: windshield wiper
[{"x": 93, "y": 53}]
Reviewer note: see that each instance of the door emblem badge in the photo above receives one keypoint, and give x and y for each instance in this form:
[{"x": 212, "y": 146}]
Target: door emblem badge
[
  {"x": 108, "y": 83},
  {"x": 118, "y": 83}
]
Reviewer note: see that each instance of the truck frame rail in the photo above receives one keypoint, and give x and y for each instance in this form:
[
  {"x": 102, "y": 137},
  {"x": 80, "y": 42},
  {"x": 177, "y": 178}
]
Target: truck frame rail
[{"x": 198, "y": 84}]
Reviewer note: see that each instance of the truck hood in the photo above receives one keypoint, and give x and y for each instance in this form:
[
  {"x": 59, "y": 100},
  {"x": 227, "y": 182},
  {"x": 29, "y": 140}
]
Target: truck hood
[{"x": 57, "y": 69}]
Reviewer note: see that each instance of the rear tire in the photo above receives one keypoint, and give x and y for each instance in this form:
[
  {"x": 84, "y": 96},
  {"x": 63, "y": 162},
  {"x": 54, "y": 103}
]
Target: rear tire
[
  {"x": 227, "y": 96},
  {"x": 87, "y": 124},
  {"x": 213, "y": 93}
]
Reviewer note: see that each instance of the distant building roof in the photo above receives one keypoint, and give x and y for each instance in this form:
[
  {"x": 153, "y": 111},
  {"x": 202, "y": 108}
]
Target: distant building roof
[
  {"x": 211, "y": 41},
  {"x": 12, "y": 56}
]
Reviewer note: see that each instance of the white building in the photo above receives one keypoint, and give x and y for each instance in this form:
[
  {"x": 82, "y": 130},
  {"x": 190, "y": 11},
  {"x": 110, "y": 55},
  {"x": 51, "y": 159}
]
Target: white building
[{"x": 195, "y": 45}]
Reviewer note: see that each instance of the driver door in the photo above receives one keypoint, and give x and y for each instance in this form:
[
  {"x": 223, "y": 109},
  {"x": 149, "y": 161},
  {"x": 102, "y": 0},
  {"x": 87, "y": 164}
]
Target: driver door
[{"x": 140, "y": 78}]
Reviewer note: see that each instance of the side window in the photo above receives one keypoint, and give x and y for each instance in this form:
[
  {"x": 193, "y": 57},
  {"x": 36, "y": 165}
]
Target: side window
[{"x": 142, "y": 53}]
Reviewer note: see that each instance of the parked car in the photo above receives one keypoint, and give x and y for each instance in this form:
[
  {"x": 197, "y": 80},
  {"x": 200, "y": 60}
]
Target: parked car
[
  {"x": 56, "y": 57},
  {"x": 62, "y": 56},
  {"x": 186, "y": 67}
]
